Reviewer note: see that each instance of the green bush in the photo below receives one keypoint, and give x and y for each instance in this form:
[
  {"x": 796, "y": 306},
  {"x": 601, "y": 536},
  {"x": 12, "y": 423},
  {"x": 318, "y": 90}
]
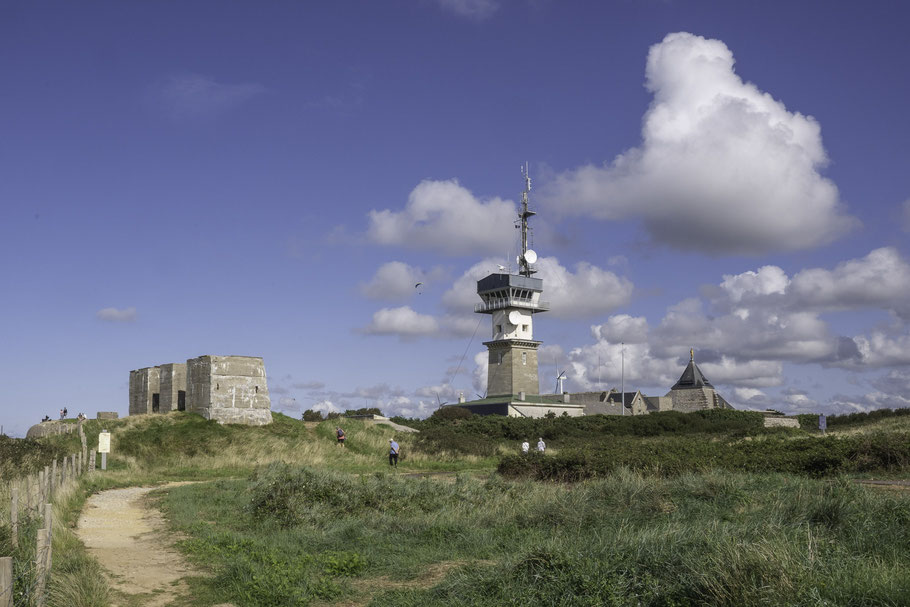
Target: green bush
[
  {"x": 809, "y": 421},
  {"x": 667, "y": 456}
]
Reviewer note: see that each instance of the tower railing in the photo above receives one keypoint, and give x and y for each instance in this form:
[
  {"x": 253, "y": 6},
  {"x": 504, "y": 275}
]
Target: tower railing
[{"x": 500, "y": 303}]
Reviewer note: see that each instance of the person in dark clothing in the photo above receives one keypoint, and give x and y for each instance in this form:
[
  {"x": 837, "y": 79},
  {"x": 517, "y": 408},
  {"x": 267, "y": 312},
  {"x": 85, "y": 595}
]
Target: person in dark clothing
[{"x": 393, "y": 452}]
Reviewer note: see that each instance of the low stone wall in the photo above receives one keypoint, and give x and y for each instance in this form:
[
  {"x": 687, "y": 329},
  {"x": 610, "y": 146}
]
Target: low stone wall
[
  {"x": 781, "y": 422},
  {"x": 107, "y": 415}
]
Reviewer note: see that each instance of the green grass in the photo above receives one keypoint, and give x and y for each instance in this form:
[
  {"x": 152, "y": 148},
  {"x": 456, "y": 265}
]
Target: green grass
[
  {"x": 283, "y": 516},
  {"x": 290, "y": 536}
]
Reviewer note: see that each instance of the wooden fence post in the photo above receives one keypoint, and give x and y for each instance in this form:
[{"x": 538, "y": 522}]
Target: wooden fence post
[
  {"x": 14, "y": 516},
  {"x": 49, "y": 526},
  {"x": 91, "y": 460},
  {"x": 53, "y": 476},
  {"x": 6, "y": 581},
  {"x": 40, "y": 566},
  {"x": 84, "y": 441}
]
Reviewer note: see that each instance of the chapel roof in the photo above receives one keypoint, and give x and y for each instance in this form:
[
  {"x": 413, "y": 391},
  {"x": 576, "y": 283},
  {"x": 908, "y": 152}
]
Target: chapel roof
[{"x": 692, "y": 377}]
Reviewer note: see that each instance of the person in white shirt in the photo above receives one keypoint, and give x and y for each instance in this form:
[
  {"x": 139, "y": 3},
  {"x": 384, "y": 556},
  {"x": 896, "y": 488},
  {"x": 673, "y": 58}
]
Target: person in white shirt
[
  {"x": 525, "y": 447},
  {"x": 541, "y": 446}
]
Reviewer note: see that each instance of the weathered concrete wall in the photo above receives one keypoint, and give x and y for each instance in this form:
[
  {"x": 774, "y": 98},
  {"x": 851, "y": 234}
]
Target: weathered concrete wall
[
  {"x": 537, "y": 410},
  {"x": 228, "y": 389},
  {"x": 107, "y": 415},
  {"x": 512, "y": 368},
  {"x": 144, "y": 384},
  {"x": 172, "y": 381},
  {"x": 781, "y": 422}
]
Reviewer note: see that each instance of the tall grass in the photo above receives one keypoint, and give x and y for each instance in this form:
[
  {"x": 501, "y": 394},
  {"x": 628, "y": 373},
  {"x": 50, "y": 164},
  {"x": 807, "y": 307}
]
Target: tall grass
[{"x": 697, "y": 539}]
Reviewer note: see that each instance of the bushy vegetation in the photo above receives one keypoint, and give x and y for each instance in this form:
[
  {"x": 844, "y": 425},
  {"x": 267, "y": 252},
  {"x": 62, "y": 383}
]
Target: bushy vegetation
[
  {"x": 482, "y": 435},
  {"x": 21, "y": 456},
  {"x": 806, "y": 455},
  {"x": 667, "y": 509},
  {"x": 714, "y": 538},
  {"x": 809, "y": 421}
]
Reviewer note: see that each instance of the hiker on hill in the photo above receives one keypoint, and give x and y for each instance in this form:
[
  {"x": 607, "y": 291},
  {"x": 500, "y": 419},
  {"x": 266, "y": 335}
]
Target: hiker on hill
[
  {"x": 65, "y": 412},
  {"x": 541, "y": 446},
  {"x": 393, "y": 452},
  {"x": 339, "y": 434},
  {"x": 525, "y": 447}
]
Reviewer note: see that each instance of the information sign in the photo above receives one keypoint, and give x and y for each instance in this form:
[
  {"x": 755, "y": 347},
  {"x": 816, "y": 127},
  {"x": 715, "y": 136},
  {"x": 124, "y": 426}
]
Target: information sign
[{"x": 104, "y": 442}]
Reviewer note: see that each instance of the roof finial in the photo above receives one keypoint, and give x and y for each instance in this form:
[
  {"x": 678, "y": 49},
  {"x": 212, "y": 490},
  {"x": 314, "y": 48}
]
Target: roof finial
[{"x": 692, "y": 355}]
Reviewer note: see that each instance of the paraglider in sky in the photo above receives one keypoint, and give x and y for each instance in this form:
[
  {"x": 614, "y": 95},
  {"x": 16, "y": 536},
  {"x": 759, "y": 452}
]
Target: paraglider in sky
[{"x": 418, "y": 288}]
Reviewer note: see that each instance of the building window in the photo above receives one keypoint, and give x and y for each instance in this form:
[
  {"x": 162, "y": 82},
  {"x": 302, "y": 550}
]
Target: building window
[
  {"x": 502, "y": 355},
  {"x": 524, "y": 358},
  {"x": 499, "y": 328},
  {"x": 524, "y": 328}
]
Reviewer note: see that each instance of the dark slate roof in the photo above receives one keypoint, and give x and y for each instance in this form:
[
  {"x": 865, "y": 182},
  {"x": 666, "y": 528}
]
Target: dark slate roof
[
  {"x": 692, "y": 377},
  {"x": 616, "y": 397}
]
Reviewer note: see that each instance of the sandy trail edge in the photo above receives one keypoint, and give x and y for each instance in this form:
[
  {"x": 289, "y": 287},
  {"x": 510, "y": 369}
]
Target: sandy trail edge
[{"x": 127, "y": 537}]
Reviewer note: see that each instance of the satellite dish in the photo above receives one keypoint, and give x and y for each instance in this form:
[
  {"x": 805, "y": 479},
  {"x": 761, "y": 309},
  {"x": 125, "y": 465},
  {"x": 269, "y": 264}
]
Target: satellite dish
[
  {"x": 530, "y": 256},
  {"x": 515, "y": 317}
]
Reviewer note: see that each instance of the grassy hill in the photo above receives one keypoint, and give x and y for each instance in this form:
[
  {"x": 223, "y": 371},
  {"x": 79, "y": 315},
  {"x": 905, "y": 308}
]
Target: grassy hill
[{"x": 283, "y": 516}]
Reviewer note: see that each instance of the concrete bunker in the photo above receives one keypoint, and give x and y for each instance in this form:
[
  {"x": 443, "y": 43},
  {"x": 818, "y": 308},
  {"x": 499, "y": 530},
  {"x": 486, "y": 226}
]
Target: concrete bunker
[{"x": 228, "y": 389}]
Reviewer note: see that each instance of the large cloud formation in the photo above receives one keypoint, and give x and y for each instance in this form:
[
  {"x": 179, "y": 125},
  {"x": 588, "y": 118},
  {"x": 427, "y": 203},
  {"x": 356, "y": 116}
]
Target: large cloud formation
[
  {"x": 445, "y": 217},
  {"x": 751, "y": 324},
  {"x": 722, "y": 168}
]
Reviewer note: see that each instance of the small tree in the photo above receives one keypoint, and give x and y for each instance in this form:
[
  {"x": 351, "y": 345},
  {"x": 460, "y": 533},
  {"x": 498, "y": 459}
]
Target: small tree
[{"x": 312, "y": 416}]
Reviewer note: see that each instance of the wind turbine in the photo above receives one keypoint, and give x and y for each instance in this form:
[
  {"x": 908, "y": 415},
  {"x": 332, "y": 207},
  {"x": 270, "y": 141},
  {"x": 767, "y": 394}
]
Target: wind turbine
[{"x": 559, "y": 380}]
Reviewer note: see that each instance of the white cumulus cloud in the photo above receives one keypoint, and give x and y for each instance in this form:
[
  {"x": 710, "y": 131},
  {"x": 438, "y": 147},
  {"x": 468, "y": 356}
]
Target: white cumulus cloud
[
  {"x": 403, "y": 322},
  {"x": 398, "y": 281},
  {"x": 880, "y": 279},
  {"x": 445, "y": 217},
  {"x": 723, "y": 167}
]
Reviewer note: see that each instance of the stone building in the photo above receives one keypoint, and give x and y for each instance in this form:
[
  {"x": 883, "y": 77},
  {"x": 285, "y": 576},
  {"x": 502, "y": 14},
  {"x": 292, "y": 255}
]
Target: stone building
[
  {"x": 145, "y": 391},
  {"x": 693, "y": 391},
  {"x": 228, "y": 389}
]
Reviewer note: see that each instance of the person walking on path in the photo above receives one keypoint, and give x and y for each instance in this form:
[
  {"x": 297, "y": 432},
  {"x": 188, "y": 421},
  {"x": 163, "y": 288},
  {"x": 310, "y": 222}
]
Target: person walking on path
[
  {"x": 339, "y": 433},
  {"x": 525, "y": 447},
  {"x": 393, "y": 452},
  {"x": 541, "y": 446}
]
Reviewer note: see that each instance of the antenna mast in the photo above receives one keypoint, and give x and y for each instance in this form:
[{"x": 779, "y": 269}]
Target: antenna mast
[{"x": 524, "y": 265}]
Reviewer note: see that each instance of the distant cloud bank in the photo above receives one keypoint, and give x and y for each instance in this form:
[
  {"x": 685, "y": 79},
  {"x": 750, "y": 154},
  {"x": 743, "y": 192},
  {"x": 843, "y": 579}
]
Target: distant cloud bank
[{"x": 116, "y": 315}]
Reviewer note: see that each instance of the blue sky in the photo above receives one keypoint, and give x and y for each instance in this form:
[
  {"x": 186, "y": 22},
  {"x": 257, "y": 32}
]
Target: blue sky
[{"x": 272, "y": 179}]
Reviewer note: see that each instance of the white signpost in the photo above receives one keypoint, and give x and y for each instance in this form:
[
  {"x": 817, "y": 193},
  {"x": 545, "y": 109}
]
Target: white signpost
[{"x": 104, "y": 447}]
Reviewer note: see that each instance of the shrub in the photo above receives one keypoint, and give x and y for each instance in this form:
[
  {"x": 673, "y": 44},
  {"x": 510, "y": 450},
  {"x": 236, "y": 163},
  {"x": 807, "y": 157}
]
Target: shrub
[
  {"x": 810, "y": 456},
  {"x": 451, "y": 413},
  {"x": 312, "y": 416}
]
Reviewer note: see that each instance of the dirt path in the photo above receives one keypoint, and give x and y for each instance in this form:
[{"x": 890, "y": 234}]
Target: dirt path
[{"x": 127, "y": 537}]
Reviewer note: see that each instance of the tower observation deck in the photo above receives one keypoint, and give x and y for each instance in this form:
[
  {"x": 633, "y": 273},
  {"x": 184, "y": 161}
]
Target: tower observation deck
[{"x": 512, "y": 300}]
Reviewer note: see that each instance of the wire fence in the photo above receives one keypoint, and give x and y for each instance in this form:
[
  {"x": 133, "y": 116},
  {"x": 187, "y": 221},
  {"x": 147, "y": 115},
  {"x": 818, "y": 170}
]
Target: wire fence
[{"x": 26, "y": 527}]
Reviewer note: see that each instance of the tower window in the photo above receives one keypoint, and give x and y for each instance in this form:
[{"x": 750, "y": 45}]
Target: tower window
[
  {"x": 524, "y": 327},
  {"x": 502, "y": 355},
  {"x": 499, "y": 328},
  {"x": 524, "y": 358}
]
